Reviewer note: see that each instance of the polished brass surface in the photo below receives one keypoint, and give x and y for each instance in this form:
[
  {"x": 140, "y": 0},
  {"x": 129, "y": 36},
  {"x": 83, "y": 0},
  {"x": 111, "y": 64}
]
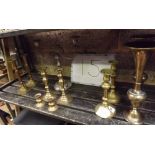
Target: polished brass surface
[
  {"x": 48, "y": 94},
  {"x": 30, "y": 83},
  {"x": 22, "y": 88},
  {"x": 64, "y": 99},
  {"x": 105, "y": 109},
  {"x": 39, "y": 100},
  {"x": 113, "y": 96},
  {"x": 52, "y": 106},
  {"x": 136, "y": 95},
  {"x": 67, "y": 83}
]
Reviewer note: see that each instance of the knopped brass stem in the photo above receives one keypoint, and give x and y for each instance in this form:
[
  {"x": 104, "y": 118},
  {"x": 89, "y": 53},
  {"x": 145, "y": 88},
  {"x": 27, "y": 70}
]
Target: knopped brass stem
[
  {"x": 67, "y": 84},
  {"x": 105, "y": 109},
  {"x": 64, "y": 99},
  {"x": 48, "y": 94}
]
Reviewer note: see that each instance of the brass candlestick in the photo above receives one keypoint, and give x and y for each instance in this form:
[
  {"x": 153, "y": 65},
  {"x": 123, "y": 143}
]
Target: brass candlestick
[
  {"x": 64, "y": 99},
  {"x": 52, "y": 106},
  {"x": 31, "y": 83},
  {"x": 39, "y": 100},
  {"x": 113, "y": 96},
  {"x": 136, "y": 95},
  {"x": 22, "y": 88},
  {"x": 105, "y": 109},
  {"x": 48, "y": 94},
  {"x": 67, "y": 84}
]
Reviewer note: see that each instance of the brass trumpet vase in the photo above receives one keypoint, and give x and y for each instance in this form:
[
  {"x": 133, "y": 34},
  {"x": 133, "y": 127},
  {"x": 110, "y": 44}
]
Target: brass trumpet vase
[
  {"x": 140, "y": 48},
  {"x": 105, "y": 109}
]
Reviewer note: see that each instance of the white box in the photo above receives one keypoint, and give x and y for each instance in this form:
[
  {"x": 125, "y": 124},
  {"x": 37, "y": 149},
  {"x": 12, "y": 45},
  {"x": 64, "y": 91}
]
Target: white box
[{"x": 86, "y": 69}]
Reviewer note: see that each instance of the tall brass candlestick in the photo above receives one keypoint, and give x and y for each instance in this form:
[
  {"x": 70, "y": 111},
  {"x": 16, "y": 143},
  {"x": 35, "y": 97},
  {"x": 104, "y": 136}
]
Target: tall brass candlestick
[
  {"x": 113, "y": 96},
  {"x": 48, "y": 94},
  {"x": 136, "y": 95},
  {"x": 31, "y": 83},
  {"x": 64, "y": 99},
  {"x": 105, "y": 109},
  {"x": 67, "y": 84},
  {"x": 22, "y": 88}
]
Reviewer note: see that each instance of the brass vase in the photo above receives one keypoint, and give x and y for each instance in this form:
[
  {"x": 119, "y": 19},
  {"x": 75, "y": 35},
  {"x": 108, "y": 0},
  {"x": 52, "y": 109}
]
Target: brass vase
[{"x": 136, "y": 95}]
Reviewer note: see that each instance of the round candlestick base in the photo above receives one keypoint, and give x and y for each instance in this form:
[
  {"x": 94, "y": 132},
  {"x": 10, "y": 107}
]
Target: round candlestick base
[
  {"x": 134, "y": 117},
  {"x": 105, "y": 111},
  {"x": 65, "y": 99}
]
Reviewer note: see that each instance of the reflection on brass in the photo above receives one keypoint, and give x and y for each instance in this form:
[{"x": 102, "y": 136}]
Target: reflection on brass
[
  {"x": 64, "y": 99},
  {"x": 30, "y": 83},
  {"x": 105, "y": 109},
  {"x": 39, "y": 100},
  {"x": 67, "y": 84},
  {"x": 113, "y": 96},
  {"x": 48, "y": 94},
  {"x": 136, "y": 95},
  {"x": 22, "y": 88},
  {"x": 52, "y": 106}
]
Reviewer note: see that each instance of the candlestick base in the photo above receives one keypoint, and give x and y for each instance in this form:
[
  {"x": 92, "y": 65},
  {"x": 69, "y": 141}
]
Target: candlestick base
[
  {"x": 65, "y": 99},
  {"x": 67, "y": 85},
  {"x": 105, "y": 111},
  {"x": 52, "y": 106},
  {"x": 134, "y": 117},
  {"x": 48, "y": 97},
  {"x": 22, "y": 90},
  {"x": 30, "y": 83}
]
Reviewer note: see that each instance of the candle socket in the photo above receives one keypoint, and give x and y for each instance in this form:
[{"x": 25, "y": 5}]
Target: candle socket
[{"x": 105, "y": 109}]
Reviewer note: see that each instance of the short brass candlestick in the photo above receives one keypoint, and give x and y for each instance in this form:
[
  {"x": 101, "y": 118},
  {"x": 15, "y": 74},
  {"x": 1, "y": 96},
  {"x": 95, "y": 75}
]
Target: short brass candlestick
[
  {"x": 113, "y": 96},
  {"x": 64, "y": 99},
  {"x": 136, "y": 95},
  {"x": 31, "y": 83},
  {"x": 39, "y": 100},
  {"x": 67, "y": 84},
  {"x": 105, "y": 109},
  {"x": 48, "y": 94},
  {"x": 22, "y": 88},
  {"x": 52, "y": 106}
]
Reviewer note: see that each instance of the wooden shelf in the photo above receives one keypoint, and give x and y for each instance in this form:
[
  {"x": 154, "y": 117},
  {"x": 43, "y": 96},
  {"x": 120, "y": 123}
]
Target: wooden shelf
[
  {"x": 16, "y": 32},
  {"x": 85, "y": 98}
]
